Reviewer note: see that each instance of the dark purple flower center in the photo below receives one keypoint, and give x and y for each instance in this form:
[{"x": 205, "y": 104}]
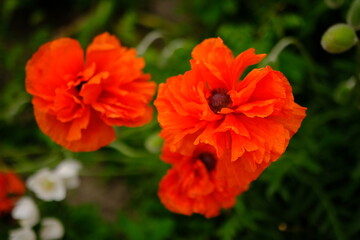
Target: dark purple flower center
[
  {"x": 218, "y": 100},
  {"x": 80, "y": 82},
  {"x": 79, "y": 86},
  {"x": 208, "y": 159}
]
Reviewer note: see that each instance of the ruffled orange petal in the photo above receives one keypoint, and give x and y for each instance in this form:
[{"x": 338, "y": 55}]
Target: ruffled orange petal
[
  {"x": 271, "y": 137},
  {"x": 127, "y": 105},
  {"x": 239, "y": 174},
  {"x": 291, "y": 117},
  {"x": 52, "y": 66},
  {"x": 213, "y": 57},
  {"x": 272, "y": 86},
  {"x": 243, "y": 61},
  {"x": 257, "y": 108},
  {"x": 66, "y": 106},
  {"x": 109, "y": 56},
  {"x": 245, "y": 88},
  {"x": 189, "y": 101},
  {"x": 70, "y": 134},
  {"x": 171, "y": 196},
  {"x": 127, "y": 90},
  {"x": 189, "y": 187},
  {"x": 92, "y": 89}
]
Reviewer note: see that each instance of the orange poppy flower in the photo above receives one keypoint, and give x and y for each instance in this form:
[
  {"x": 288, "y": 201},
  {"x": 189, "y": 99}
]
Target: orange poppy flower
[
  {"x": 249, "y": 119},
  {"x": 11, "y": 188},
  {"x": 77, "y": 102},
  {"x": 191, "y": 185}
]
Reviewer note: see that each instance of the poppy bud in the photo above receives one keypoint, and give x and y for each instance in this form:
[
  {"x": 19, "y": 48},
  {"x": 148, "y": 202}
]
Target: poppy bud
[
  {"x": 353, "y": 15},
  {"x": 334, "y": 4},
  {"x": 344, "y": 91},
  {"x": 338, "y": 38},
  {"x": 153, "y": 143}
]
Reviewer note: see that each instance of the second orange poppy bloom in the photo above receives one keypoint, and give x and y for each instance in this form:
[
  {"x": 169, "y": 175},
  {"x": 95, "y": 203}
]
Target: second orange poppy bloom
[{"x": 248, "y": 119}]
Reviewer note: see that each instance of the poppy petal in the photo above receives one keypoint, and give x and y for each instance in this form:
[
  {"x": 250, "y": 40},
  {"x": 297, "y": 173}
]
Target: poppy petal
[
  {"x": 127, "y": 90},
  {"x": 95, "y": 135},
  {"x": 64, "y": 60},
  {"x": 243, "y": 61},
  {"x": 109, "y": 56},
  {"x": 206, "y": 58},
  {"x": 190, "y": 187}
]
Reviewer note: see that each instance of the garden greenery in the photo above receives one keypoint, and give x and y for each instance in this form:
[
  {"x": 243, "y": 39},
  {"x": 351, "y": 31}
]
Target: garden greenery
[{"x": 311, "y": 192}]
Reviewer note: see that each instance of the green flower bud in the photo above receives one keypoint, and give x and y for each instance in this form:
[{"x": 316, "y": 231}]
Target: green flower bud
[
  {"x": 353, "y": 15},
  {"x": 154, "y": 143},
  {"x": 343, "y": 92},
  {"x": 334, "y": 4},
  {"x": 338, "y": 38}
]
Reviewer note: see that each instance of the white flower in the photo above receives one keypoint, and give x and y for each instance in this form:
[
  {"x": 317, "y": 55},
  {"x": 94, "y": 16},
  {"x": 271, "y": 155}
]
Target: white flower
[
  {"x": 22, "y": 234},
  {"x": 68, "y": 170},
  {"x": 51, "y": 228},
  {"x": 26, "y": 212},
  {"x": 47, "y": 185}
]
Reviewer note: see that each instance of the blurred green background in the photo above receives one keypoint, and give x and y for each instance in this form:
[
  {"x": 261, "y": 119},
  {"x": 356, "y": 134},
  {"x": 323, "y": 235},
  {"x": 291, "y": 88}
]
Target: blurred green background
[{"x": 311, "y": 192}]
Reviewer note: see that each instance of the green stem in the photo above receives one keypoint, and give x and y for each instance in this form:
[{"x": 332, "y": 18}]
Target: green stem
[
  {"x": 133, "y": 131},
  {"x": 147, "y": 41},
  {"x": 288, "y": 41},
  {"x": 34, "y": 167},
  {"x": 127, "y": 150},
  {"x": 277, "y": 49}
]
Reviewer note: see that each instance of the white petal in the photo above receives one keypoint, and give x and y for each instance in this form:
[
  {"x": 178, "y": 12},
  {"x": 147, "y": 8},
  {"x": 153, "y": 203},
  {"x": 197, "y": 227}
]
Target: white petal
[
  {"x": 47, "y": 185},
  {"x": 22, "y": 234},
  {"x": 68, "y": 168},
  {"x": 51, "y": 228},
  {"x": 26, "y": 212}
]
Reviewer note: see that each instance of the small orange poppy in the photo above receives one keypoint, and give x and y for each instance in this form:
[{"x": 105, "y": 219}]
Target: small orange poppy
[
  {"x": 249, "y": 119},
  {"x": 191, "y": 185},
  {"x": 11, "y": 188},
  {"x": 77, "y": 102}
]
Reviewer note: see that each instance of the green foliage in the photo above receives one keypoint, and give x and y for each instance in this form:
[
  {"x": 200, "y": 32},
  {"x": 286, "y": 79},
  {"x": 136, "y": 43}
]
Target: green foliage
[
  {"x": 151, "y": 227},
  {"x": 311, "y": 192},
  {"x": 94, "y": 227},
  {"x": 353, "y": 15}
]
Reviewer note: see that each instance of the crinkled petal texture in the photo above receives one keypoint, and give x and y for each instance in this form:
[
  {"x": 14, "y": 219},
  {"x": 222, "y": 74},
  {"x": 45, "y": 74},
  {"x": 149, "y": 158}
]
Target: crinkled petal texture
[
  {"x": 11, "y": 188},
  {"x": 191, "y": 187},
  {"x": 249, "y": 120},
  {"x": 77, "y": 102}
]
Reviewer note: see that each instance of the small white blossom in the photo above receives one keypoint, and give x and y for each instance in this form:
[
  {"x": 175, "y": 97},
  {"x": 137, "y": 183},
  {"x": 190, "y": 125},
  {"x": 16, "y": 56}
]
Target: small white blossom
[
  {"x": 26, "y": 212},
  {"x": 51, "y": 228},
  {"x": 22, "y": 234},
  {"x": 47, "y": 185},
  {"x": 68, "y": 170}
]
